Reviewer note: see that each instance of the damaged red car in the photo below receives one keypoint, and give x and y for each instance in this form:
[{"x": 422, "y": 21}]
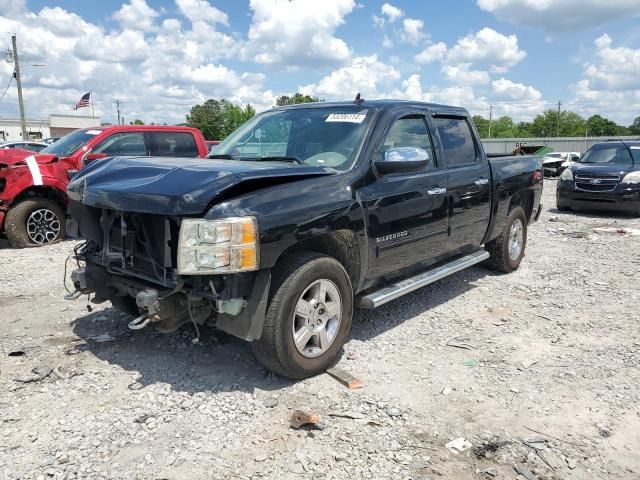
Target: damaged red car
[{"x": 33, "y": 186}]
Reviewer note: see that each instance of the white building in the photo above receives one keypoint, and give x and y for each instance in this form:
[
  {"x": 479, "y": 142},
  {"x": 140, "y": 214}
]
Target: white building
[{"x": 55, "y": 126}]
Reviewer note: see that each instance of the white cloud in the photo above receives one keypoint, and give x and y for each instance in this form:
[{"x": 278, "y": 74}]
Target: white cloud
[
  {"x": 487, "y": 49},
  {"x": 297, "y": 32},
  {"x": 366, "y": 75},
  {"x": 506, "y": 89},
  {"x": 432, "y": 53},
  {"x": 202, "y": 11},
  {"x": 158, "y": 73},
  {"x": 412, "y": 30},
  {"x": 392, "y": 13},
  {"x": 461, "y": 74},
  {"x": 610, "y": 82},
  {"x": 561, "y": 15},
  {"x": 136, "y": 15}
]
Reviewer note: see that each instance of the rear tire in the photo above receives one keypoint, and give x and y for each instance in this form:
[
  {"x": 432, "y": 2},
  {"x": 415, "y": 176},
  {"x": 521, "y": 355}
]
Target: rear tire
[
  {"x": 35, "y": 222},
  {"x": 507, "y": 251},
  {"x": 309, "y": 293}
]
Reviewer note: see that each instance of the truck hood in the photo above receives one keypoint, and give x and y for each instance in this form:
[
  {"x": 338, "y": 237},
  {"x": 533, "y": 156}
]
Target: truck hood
[
  {"x": 177, "y": 186},
  {"x": 16, "y": 156}
]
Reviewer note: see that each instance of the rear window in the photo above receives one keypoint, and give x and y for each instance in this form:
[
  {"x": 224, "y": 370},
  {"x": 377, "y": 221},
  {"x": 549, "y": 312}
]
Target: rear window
[
  {"x": 457, "y": 141},
  {"x": 172, "y": 144}
]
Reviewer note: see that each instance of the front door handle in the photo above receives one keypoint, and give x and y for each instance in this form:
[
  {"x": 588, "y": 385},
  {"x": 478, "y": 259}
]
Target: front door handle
[
  {"x": 437, "y": 191},
  {"x": 482, "y": 181}
]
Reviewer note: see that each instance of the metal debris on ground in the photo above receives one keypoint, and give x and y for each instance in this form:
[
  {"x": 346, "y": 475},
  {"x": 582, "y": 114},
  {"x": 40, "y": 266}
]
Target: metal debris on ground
[
  {"x": 459, "y": 342},
  {"x": 345, "y": 378},
  {"x": 459, "y": 445},
  {"x": 524, "y": 471},
  {"x": 300, "y": 418},
  {"x": 270, "y": 402},
  {"x": 627, "y": 231}
]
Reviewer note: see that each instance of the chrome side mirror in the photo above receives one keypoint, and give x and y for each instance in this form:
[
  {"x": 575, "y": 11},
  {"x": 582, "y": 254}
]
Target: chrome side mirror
[{"x": 403, "y": 159}]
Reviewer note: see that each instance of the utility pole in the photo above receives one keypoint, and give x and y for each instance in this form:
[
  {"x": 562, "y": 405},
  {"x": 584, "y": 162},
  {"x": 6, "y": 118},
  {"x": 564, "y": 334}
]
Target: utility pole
[
  {"x": 118, "y": 109},
  {"x": 490, "y": 118},
  {"x": 558, "y": 130},
  {"x": 16, "y": 74}
]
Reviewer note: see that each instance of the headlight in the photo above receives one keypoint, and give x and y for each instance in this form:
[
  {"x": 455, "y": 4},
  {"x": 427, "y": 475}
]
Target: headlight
[
  {"x": 633, "y": 177},
  {"x": 567, "y": 175},
  {"x": 218, "y": 246}
]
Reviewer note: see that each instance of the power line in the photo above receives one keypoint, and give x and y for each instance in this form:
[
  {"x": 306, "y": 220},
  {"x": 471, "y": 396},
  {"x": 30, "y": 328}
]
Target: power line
[{"x": 6, "y": 89}]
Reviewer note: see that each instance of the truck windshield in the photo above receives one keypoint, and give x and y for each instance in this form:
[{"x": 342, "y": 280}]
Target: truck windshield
[
  {"x": 324, "y": 137},
  {"x": 68, "y": 144},
  {"x": 604, "y": 154}
]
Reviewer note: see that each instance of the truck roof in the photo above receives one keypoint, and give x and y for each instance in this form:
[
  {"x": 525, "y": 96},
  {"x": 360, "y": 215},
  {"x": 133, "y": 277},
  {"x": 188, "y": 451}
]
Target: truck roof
[
  {"x": 384, "y": 104},
  {"x": 143, "y": 128}
]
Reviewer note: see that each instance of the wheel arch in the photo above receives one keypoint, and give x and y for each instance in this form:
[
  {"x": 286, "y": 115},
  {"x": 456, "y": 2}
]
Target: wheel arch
[
  {"x": 43, "y": 191},
  {"x": 341, "y": 245}
]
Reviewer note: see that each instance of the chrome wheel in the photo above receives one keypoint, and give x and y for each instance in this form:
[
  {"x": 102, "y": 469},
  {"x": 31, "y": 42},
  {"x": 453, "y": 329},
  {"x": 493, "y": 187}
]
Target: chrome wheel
[
  {"x": 43, "y": 226},
  {"x": 516, "y": 239},
  {"x": 317, "y": 318}
]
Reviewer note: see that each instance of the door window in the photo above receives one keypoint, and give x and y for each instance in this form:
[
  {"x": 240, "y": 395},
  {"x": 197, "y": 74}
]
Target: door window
[
  {"x": 123, "y": 144},
  {"x": 457, "y": 141},
  {"x": 410, "y": 131},
  {"x": 172, "y": 144}
]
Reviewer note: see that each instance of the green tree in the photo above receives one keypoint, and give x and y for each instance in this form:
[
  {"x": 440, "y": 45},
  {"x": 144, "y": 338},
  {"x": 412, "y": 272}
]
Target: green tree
[
  {"x": 482, "y": 125},
  {"x": 598, "y": 126},
  {"x": 503, "y": 127},
  {"x": 294, "y": 99},
  {"x": 634, "y": 128},
  {"x": 137, "y": 121},
  {"x": 548, "y": 124},
  {"x": 218, "y": 118}
]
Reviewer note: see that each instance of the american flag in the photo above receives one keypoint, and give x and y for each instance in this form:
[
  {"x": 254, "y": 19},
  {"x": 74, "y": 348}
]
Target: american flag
[{"x": 84, "y": 101}]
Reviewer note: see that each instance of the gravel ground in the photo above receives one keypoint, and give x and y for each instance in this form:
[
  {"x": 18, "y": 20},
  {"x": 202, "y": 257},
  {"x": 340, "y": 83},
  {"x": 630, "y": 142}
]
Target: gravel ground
[{"x": 538, "y": 370}]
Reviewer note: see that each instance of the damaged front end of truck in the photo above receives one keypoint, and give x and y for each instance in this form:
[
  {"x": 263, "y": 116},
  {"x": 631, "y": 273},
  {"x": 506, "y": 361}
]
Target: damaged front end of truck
[{"x": 152, "y": 251}]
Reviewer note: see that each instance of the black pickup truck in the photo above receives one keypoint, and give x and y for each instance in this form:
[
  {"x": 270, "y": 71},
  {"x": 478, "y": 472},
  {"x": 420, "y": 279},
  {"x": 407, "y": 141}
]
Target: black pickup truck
[{"x": 300, "y": 215}]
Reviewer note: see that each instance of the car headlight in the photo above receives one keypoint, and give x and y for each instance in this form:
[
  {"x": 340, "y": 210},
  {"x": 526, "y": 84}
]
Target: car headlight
[
  {"x": 567, "y": 175},
  {"x": 210, "y": 247},
  {"x": 633, "y": 177}
]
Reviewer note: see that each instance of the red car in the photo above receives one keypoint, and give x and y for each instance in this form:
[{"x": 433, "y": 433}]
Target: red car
[{"x": 33, "y": 186}]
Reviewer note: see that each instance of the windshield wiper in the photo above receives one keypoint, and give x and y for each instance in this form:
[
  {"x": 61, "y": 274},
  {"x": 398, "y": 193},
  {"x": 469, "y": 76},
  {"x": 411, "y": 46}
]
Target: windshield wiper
[
  {"x": 223, "y": 156},
  {"x": 275, "y": 158}
]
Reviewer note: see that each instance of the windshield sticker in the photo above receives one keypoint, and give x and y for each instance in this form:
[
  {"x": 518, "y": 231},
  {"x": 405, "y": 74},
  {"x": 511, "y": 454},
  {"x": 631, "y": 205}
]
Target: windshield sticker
[
  {"x": 94, "y": 132},
  {"x": 346, "y": 117}
]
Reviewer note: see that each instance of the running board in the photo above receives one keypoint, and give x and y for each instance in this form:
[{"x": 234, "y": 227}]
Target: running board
[{"x": 396, "y": 290}]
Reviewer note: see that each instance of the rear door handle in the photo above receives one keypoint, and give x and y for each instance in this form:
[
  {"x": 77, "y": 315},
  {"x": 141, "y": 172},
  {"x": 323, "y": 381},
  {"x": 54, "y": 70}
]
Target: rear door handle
[
  {"x": 482, "y": 181},
  {"x": 437, "y": 191}
]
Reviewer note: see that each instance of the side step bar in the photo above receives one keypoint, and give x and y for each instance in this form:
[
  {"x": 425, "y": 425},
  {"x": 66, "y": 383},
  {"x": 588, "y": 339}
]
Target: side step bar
[{"x": 396, "y": 290}]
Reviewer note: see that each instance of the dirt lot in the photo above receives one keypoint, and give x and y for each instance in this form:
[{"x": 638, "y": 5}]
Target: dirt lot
[{"x": 538, "y": 370}]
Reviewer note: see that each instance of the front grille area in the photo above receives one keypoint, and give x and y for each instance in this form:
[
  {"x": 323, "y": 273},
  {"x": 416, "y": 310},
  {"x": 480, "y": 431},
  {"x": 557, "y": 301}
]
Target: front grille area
[{"x": 596, "y": 182}]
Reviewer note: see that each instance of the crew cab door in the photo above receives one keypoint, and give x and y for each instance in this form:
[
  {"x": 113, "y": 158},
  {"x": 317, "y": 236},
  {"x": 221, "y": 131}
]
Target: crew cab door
[
  {"x": 406, "y": 211},
  {"x": 468, "y": 181}
]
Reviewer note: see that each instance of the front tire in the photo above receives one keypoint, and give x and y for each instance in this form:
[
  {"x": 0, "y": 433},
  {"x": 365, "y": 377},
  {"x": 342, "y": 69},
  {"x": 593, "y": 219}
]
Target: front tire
[
  {"x": 35, "y": 222},
  {"x": 309, "y": 316},
  {"x": 507, "y": 251}
]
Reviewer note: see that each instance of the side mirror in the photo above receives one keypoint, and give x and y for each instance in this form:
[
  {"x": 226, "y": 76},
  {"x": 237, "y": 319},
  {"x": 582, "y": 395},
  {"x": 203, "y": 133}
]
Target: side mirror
[
  {"x": 403, "y": 159},
  {"x": 94, "y": 156}
]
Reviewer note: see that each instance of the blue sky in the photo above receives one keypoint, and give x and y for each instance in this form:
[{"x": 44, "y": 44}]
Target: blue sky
[{"x": 160, "y": 57}]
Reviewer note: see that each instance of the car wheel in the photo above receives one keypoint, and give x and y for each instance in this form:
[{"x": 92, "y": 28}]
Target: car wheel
[
  {"x": 35, "y": 222},
  {"x": 507, "y": 251},
  {"x": 308, "y": 318}
]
